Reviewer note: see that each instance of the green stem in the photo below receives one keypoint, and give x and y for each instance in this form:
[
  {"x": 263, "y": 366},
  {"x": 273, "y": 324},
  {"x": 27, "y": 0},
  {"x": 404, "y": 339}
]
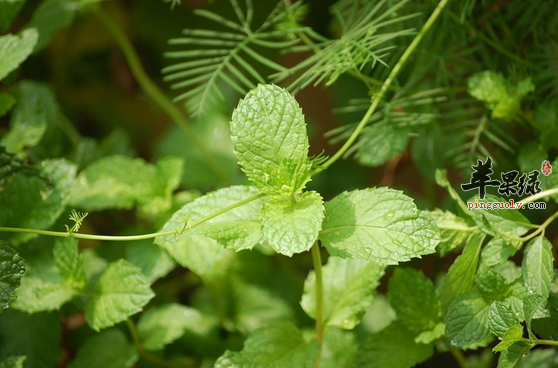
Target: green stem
[
  {"x": 541, "y": 228},
  {"x": 155, "y": 93},
  {"x": 380, "y": 95},
  {"x": 546, "y": 193},
  {"x": 459, "y": 357},
  {"x": 545, "y": 342},
  {"x": 317, "y": 263}
]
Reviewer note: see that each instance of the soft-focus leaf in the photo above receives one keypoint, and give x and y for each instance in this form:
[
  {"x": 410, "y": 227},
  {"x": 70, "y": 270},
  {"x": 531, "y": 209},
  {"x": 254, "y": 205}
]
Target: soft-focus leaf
[
  {"x": 69, "y": 263},
  {"x": 50, "y": 17},
  {"x": 15, "y": 49},
  {"x": 381, "y": 142},
  {"x": 453, "y": 229},
  {"x": 13, "y": 362},
  {"x": 154, "y": 261},
  {"x": 8, "y": 11},
  {"x": 378, "y": 224},
  {"x": 108, "y": 349},
  {"x": 537, "y": 266},
  {"x": 338, "y": 349}
]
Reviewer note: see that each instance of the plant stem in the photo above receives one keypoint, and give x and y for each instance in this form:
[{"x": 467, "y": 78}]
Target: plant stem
[
  {"x": 541, "y": 228},
  {"x": 156, "y": 94},
  {"x": 317, "y": 262},
  {"x": 459, "y": 357},
  {"x": 381, "y": 93},
  {"x": 540, "y": 195}
]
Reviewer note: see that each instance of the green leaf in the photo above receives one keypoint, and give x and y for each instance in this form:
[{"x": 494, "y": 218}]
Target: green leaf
[
  {"x": 338, "y": 348},
  {"x": 491, "y": 284},
  {"x": 69, "y": 263},
  {"x": 462, "y": 273},
  {"x": 511, "y": 357},
  {"x": 270, "y": 141},
  {"x": 15, "y": 49},
  {"x": 50, "y": 17},
  {"x": 496, "y": 252},
  {"x": 415, "y": 299},
  {"x": 292, "y": 227},
  {"x": 154, "y": 328},
  {"x": 377, "y": 224},
  {"x": 12, "y": 270},
  {"x": 513, "y": 335},
  {"x": 238, "y": 228},
  {"x": 380, "y": 142},
  {"x": 279, "y": 346},
  {"x": 541, "y": 358},
  {"x": 154, "y": 261},
  {"x": 7, "y": 101},
  {"x": 531, "y": 305},
  {"x": 501, "y": 319},
  {"x": 8, "y": 12},
  {"x": 131, "y": 182},
  {"x": 13, "y": 362},
  {"x": 36, "y": 336},
  {"x": 467, "y": 321},
  {"x": 120, "y": 292},
  {"x": 349, "y": 286},
  {"x": 37, "y": 294},
  {"x": 453, "y": 229},
  {"x": 498, "y": 94},
  {"x": 393, "y": 347},
  {"x": 537, "y": 266},
  {"x": 35, "y": 110},
  {"x": 108, "y": 349}
]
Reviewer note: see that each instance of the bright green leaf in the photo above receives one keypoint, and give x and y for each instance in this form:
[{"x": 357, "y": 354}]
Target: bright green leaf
[
  {"x": 270, "y": 141},
  {"x": 292, "y": 227},
  {"x": 7, "y": 101},
  {"x": 69, "y": 263},
  {"x": 36, "y": 336},
  {"x": 511, "y": 357},
  {"x": 12, "y": 270},
  {"x": 349, "y": 286},
  {"x": 378, "y": 224},
  {"x": 496, "y": 252},
  {"x": 13, "y": 362},
  {"x": 278, "y": 346},
  {"x": 415, "y": 299},
  {"x": 108, "y": 349},
  {"x": 501, "y": 319},
  {"x": 467, "y": 321},
  {"x": 393, "y": 347},
  {"x": 238, "y": 228},
  {"x": 154, "y": 261},
  {"x": 164, "y": 324},
  {"x": 537, "y": 266},
  {"x": 15, "y": 49},
  {"x": 513, "y": 334},
  {"x": 37, "y": 295},
  {"x": 120, "y": 292},
  {"x": 462, "y": 273},
  {"x": 491, "y": 284},
  {"x": 338, "y": 348},
  {"x": 453, "y": 229},
  {"x": 380, "y": 142},
  {"x": 531, "y": 305}
]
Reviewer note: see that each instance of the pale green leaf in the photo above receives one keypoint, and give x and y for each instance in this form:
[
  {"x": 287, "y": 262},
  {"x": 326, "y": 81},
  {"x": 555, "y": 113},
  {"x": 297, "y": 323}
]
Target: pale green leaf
[
  {"x": 513, "y": 334},
  {"x": 279, "y": 346},
  {"x": 108, "y": 349},
  {"x": 37, "y": 295},
  {"x": 349, "y": 286},
  {"x": 15, "y": 49},
  {"x": 37, "y": 336},
  {"x": 131, "y": 181},
  {"x": 511, "y": 357},
  {"x": 338, "y": 348},
  {"x": 69, "y": 263},
  {"x": 270, "y": 141},
  {"x": 531, "y": 306},
  {"x": 164, "y": 324},
  {"x": 496, "y": 252},
  {"x": 415, "y": 299},
  {"x": 13, "y": 362},
  {"x": 238, "y": 228},
  {"x": 393, "y": 347},
  {"x": 540, "y": 358},
  {"x": 453, "y": 229},
  {"x": 292, "y": 227},
  {"x": 537, "y": 266},
  {"x": 377, "y": 224},
  {"x": 7, "y": 101},
  {"x": 154, "y": 261},
  {"x": 462, "y": 273},
  {"x": 12, "y": 270},
  {"x": 501, "y": 319},
  {"x": 380, "y": 142},
  {"x": 120, "y": 292},
  {"x": 467, "y": 321}
]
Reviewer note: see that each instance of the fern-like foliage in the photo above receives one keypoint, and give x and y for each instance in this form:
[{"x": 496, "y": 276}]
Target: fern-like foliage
[
  {"x": 216, "y": 58},
  {"x": 361, "y": 44}
]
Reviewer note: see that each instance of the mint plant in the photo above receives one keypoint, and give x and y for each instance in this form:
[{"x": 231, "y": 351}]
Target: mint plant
[{"x": 230, "y": 245}]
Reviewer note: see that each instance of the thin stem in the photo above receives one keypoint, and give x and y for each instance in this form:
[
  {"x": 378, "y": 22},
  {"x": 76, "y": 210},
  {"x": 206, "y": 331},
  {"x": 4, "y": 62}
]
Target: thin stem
[
  {"x": 317, "y": 263},
  {"x": 380, "y": 95},
  {"x": 155, "y": 93},
  {"x": 545, "y": 342},
  {"x": 459, "y": 357},
  {"x": 541, "y": 228},
  {"x": 540, "y": 195}
]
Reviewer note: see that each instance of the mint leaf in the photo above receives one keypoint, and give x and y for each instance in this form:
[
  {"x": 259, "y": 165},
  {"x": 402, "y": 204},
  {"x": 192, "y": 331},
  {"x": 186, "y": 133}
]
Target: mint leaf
[
  {"x": 531, "y": 305},
  {"x": 37, "y": 294},
  {"x": 292, "y": 227},
  {"x": 238, "y": 228},
  {"x": 12, "y": 270},
  {"x": 270, "y": 141},
  {"x": 453, "y": 229},
  {"x": 501, "y": 319},
  {"x": 462, "y": 273},
  {"x": 491, "y": 284},
  {"x": 8, "y": 11},
  {"x": 498, "y": 94},
  {"x": 279, "y": 346},
  {"x": 338, "y": 348},
  {"x": 36, "y": 336},
  {"x": 415, "y": 299},
  {"x": 131, "y": 182},
  {"x": 496, "y": 252},
  {"x": 50, "y": 17},
  {"x": 108, "y": 349},
  {"x": 380, "y": 142},
  {"x": 349, "y": 286},
  {"x": 393, "y": 347},
  {"x": 467, "y": 321},
  {"x": 541, "y": 358},
  {"x": 511, "y": 357},
  {"x": 378, "y": 224},
  {"x": 7, "y": 101},
  {"x": 537, "y": 266},
  {"x": 154, "y": 261},
  {"x": 15, "y": 49},
  {"x": 69, "y": 263},
  {"x": 156, "y": 331},
  {"x": 120, "y": 292},
  {"x": 513, "y": 334},
  {"x": 13, "y": 362}
]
